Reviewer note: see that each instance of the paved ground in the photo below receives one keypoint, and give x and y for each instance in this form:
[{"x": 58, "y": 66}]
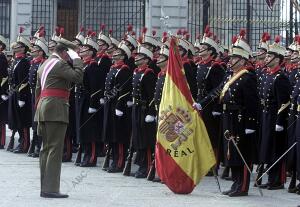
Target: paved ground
[{"x": 19, "y": 180}]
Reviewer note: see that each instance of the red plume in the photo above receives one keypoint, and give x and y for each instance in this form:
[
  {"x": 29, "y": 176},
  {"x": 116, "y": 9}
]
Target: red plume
[
  {"x": 93, "y": 34},
  {"x": 179, "y": 32},
  {"x": 41, "y": 28},
  {"x": 89, "y": 33},
  {"x": 61, "y": 31},
  {"x": 187, "y": 36},
  {"x": 184, "y": 32},
  {"x": 81, "y": 29},
  {"x": 21, "y": 30},
  {"x": 207, "y": 29},
  {"x": 153, "y": 32},
  {"x": 140, "y": 40},
  {"x": 164, "y": 34},
  {"x": 144, "y": 30},
  {"x": 129, "y": 28},
  {"x": 42, "y": 33},
  {"x": 110, "y": 31},
  {"x": 267, "y": 37},
  {"x": 133, "y": 33},
  {"x": 102, "y": 27},
  {"x": 277, "y": 39},
  {"x": 209, "y": 34},
  {"x": 57, "y": 29},
  {"x": 164, "y": 39},
  {"x": 296, "y": 38},
  {"x": 234, "y": 39},
  {"x": 242, "y": 33}
]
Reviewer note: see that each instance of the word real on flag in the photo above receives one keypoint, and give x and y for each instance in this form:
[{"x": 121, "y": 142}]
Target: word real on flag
[{"x": 183, "y": 151}]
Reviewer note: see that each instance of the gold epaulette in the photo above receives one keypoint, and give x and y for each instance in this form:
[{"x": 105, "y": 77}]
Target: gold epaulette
[
  {"x": 4, "y": 81},
  {"x": 283, "y": 106},
  {"x": 123, "y": 96},
  {"x": 95, "y": 93},
  {"x": 22, "y": 86},
  {"x": 231, "y": 81}
]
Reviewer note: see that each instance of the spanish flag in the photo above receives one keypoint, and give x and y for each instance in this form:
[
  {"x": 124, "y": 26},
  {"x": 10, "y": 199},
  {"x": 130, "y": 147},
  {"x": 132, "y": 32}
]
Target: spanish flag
[{"x": 183, "y": 153}]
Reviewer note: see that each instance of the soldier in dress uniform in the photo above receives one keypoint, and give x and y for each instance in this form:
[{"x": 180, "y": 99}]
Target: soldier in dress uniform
[
  {"x": 189, "y": 66},
  {"x": 116, "y": 119},
  {"x": 143, "y": 111},
  {"x": 52, "y": 91},
  {"x": 210, "y": 74},
  {"x": 260, "y": 71},
  {"x": 38, "y": 52},
  {"x": 93, "y": 84},
  {"x": 4, "y": 91},
  {"x": 292, "y": 159},
  {"x": 240, "y": 103},
  {"x": 275, "y": 101},
  {"x": 293, "y": 68},
  {"x": 19, "y": 102}
]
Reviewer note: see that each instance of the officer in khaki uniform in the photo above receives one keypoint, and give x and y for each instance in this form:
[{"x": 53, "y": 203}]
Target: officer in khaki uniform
[{"x": 52, "y": 113}]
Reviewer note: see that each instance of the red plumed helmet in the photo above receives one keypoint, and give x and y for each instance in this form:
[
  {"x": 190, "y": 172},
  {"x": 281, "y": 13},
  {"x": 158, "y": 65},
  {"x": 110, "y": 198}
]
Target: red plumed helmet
[
  {"x": 140, "y": 40},
  {"x": 179, "y": 32},
  {"x": 21, "y": 30},
  {"x": 89, "y": 33},
  {"x": 164, "y": 34},
  {"x": 277, "y": 39}
]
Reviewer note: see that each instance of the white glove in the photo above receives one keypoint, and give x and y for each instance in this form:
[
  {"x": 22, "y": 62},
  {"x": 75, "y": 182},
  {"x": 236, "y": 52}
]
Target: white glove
[
  {"x": 92, "y": 110},
  {"x": 102, "y": 101},
  {"x": 149, "y": 119},
  {"x": 215, "y": 113},
  {"x": 249, "y": 131},
  {"x": 4, "y": 97},
  {"x": 73, "y": 55},
  {"x": 197, "y": 106},
  {"x": 119, "y": 113},
  {"x": 278, "y": 128},
  {"x": 129, "y": 103},
  {"x": 21, "y": 103}
]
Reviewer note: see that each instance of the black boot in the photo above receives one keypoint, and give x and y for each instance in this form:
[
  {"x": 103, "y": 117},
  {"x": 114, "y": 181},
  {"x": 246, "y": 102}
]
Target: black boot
[
  {"x": 11, "y": 143},
  {"x": 87, "y": 156},
  {"x": 78, "y": 158},
  {"x": 31, "y": 148},
  {"x": 292, "y": 187},
  {"x": 225, "y": 173}
]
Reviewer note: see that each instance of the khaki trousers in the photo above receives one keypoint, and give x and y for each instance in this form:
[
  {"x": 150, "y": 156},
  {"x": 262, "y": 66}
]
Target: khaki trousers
[{"x": 53, "y": 135}]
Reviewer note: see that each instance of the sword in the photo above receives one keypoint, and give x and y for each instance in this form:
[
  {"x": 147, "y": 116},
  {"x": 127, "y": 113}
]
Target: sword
[
  {"x": 277, "y": 161},
  {"x": 228, "y": 136},
  {"x": 217, "y": 179}
]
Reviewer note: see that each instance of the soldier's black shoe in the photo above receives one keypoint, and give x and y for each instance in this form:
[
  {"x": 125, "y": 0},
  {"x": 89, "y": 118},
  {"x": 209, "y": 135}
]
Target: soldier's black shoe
[
  {"x": 237, "y": 194},
  {"x": 156, "y": 180},
  {"x": 275, "y": 187},
  {"x": 53, "y": 195},
  {"x": 19, "y": 150},
  {"x": 228, "y": 178},
  {"x": 227, "y": 192},
  {"x": 139, "y": 174},
  {"x": 112, "y": 169},
  {"x": 210, "y": 174},
  {"x": 293, "y": 190}
]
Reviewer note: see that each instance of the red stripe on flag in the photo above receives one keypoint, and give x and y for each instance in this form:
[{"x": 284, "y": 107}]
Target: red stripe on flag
[
  {"x": 174, "y": 69},
  {"x": 171, "y": 173}
]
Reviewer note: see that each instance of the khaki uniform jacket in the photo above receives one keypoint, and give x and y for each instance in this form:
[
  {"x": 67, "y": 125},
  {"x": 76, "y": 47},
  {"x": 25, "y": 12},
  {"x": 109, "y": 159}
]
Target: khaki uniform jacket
[{"x": 60, "y": 77}]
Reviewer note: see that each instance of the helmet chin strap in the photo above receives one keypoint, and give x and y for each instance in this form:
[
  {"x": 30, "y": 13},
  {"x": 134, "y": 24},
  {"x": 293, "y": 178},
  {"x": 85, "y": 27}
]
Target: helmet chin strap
[
  {"x": 202, "y": 51},
  {"x": 236, "y": 63},
  {"x": 269, "y": 62},
  {"x": 161, "y": 61}
]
